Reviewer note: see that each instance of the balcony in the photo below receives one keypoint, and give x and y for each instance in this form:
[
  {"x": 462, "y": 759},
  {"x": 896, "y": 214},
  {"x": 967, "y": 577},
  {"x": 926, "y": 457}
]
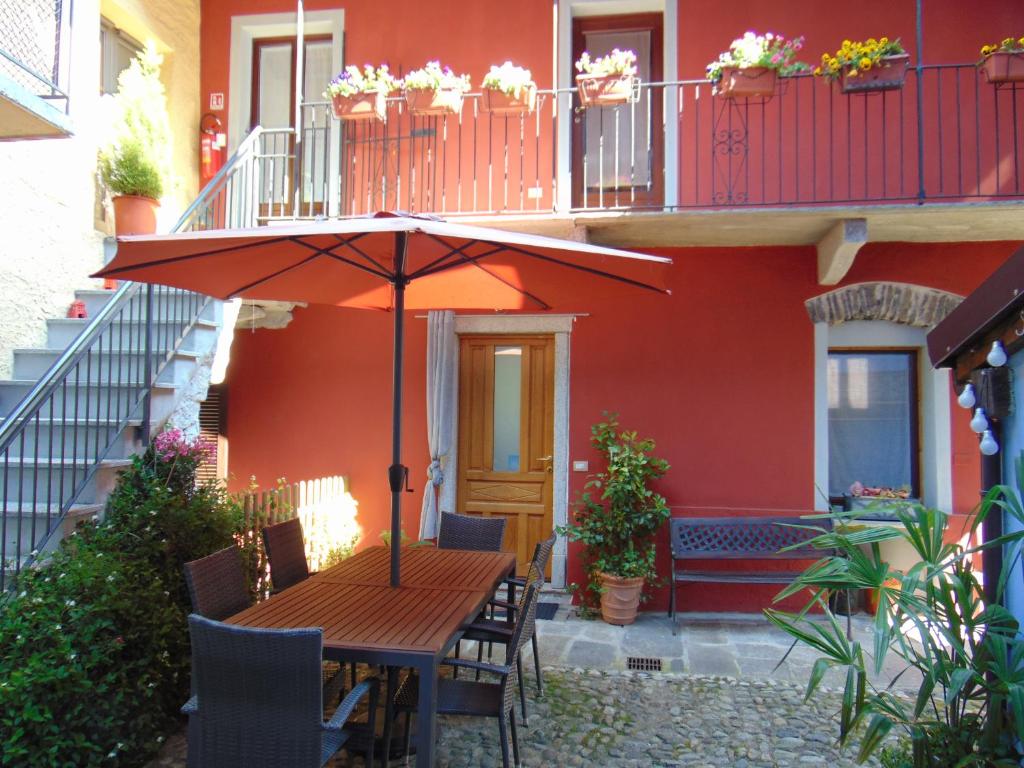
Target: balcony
[
  {"x": 678, "y": 165},
  {"x": 34, "y": 43}
]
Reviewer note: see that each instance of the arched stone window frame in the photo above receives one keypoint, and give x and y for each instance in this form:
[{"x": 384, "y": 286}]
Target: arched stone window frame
[{"x": 886, "y": 315}]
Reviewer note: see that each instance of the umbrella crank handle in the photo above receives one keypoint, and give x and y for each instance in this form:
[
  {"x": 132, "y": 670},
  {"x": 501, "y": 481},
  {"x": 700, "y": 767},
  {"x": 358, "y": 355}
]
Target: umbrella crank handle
[{"x": 398, "y": 478}]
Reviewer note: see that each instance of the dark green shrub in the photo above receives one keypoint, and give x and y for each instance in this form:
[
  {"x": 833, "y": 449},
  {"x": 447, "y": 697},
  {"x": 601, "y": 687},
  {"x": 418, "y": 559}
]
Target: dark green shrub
[{"x": 94, "y": 645}]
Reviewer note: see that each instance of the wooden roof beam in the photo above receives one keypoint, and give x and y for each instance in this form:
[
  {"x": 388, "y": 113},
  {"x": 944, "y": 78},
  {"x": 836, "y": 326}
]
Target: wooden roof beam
[{"x": 838, "y": 248}]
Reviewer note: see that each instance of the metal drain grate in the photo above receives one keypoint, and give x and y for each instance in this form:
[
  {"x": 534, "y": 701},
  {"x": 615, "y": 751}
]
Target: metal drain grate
[{"x": 643, "y": 664}]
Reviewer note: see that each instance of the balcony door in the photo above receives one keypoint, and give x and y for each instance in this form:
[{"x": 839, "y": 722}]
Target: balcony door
[
  {"x": 273, "y": 108},
  {"x": 618, "y": 152}
]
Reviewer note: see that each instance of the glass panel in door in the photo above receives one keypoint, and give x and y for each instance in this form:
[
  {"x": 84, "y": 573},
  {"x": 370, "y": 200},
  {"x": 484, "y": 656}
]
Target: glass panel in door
[{"x": 508, "y": 367}]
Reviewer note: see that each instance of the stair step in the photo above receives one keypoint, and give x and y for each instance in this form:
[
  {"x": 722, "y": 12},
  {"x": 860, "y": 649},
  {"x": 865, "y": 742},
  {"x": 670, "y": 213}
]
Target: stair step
[
  {"x": 94, "y": 400},
  {"x": 97, "y": 298},
  {"x": 33, "y": 363},
  {"x": 62, "y": 331}
]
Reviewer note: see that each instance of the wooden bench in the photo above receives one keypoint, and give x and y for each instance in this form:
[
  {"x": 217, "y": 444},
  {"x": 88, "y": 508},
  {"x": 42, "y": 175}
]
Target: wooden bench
[{"x": 740, "y": 539}]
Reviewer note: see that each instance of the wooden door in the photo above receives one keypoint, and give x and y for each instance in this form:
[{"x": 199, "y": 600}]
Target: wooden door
[
  {"x": 506, "y": 435},
  {"x": 618, "y": 152}
]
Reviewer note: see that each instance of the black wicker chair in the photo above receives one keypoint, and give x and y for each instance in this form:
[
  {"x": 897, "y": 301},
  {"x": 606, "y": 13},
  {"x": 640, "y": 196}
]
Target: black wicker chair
[
  {"x": 483, "y": 534},
  {"x": 489, "y": 630},
  {"x": 216, "y": 584},
  {"x": 279, "y": 719},
  {"x": 481, "y": 698},
  {"x": 286, "y": 553}
]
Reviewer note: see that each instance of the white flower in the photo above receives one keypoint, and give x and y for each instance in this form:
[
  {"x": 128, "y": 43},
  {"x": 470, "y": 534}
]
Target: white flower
[
  {"x": 70, "y": 603},
  {"x": 58, "y": 627}
]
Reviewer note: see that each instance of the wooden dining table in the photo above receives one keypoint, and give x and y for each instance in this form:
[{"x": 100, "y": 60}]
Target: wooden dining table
[{"x": 414, "y": 625}]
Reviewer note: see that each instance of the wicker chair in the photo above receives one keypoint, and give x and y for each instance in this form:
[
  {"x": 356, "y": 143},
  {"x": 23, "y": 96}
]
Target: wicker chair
[
  {"x": 476, "y": 698},
  {"x": 216, "y": 584},
  {"x": 286, "y": 553},
  {"x": 487, "y": 629},
  {"x": 483, "y": 534},
  {"x": 279, "y": 719}
]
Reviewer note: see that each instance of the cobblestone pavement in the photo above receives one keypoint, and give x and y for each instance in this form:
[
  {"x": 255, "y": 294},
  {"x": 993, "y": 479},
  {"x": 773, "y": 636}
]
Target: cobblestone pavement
[{"x": 723, "y": 701}]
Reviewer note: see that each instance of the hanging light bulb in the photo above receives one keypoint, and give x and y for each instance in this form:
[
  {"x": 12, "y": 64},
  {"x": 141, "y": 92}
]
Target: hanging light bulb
[
  {"x": 997, "y": 355},
  {"x": 979, "y": 423},
  {"x": 988, "y": 444},
  {"x": 966, "y": 398}
]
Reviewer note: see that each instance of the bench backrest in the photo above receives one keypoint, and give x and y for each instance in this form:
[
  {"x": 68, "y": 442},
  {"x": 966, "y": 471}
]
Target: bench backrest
[{"x": 758, "y": 538}]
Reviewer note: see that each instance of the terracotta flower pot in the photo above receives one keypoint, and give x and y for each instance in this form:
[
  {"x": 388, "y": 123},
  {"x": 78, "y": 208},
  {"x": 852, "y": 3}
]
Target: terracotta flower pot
[
  {"x": 359, "y": 106},
  {"x": 500, "y": 103},
  {"x": 887, "y": 75},
  {"x": 135, "y": 215},
  {"x": 604, "y": 90},
  {"x": 1004, "y": 67},
  {"x": 442, "y": 101},
  {"x": 748, "y": 82},
  {"x": 620, "y": 599},
  {"x": 871, "y": 596}
]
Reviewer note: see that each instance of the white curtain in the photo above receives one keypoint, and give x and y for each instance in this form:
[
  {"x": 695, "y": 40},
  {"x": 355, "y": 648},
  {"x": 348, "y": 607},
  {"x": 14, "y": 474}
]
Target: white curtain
[{"x": 442, "y": 404}]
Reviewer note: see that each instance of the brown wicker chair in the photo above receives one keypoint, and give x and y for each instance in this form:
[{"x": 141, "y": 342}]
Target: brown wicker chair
[
  {"x": 216, "y": 584},
  {"x": 481, "y": 698},
  {"x": 483, "y": 534},
  {"x": 286, "y": 553}
]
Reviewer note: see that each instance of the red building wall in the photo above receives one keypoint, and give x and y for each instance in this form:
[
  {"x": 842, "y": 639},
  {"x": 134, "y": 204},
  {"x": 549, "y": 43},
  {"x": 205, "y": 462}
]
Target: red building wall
[{"x": 720, "y": 374}]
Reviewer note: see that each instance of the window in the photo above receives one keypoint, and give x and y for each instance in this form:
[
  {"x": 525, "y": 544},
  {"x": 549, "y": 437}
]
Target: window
[
  {"x": 116, "y": 52},
  {"x": 872, "y": 420}
]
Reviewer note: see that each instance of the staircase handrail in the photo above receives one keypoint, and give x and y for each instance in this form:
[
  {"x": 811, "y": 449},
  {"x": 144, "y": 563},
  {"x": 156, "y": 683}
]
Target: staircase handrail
[{"x": 75, "y": 351}]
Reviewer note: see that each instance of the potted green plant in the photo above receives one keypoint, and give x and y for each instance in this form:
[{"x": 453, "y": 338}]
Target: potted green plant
[
  {"x": 753, "y": 63},
  {"x": 434, "y": 90},
  {"x": 871, "y": 65},
  {"x": 606, "y": 80},
  {"x": 934, "y": 619},
  {"x": 617, "y": 517},
  {"x": 1003, "y": 63},
  {"x": 359, "y": 94},
  {"x": 134, "y": 164},
  {"x": 509, "y": 90}
]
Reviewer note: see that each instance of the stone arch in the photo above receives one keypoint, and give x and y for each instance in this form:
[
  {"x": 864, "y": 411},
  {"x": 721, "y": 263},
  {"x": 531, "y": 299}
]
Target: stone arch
[{"x": 903, "y": 303}]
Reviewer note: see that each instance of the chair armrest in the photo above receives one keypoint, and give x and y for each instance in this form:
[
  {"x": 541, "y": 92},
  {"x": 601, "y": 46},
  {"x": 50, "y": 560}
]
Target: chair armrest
[
  {"x": 483, "y": 666},
  {"x": 515, "y": 581},
  {"x": 191, "y": 706},
  {"x": 512, "y": 607},
  {"x": 485, "y": 629},
  {"x": 370, "y": 685}
]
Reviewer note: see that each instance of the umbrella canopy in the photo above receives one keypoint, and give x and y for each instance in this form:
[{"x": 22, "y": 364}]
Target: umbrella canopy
[{"x": 390, "y": 262}]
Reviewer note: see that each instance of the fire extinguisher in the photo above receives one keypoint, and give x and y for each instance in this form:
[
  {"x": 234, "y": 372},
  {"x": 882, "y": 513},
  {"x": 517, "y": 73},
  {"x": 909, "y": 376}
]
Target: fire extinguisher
[{"x": 212, "y": 141}]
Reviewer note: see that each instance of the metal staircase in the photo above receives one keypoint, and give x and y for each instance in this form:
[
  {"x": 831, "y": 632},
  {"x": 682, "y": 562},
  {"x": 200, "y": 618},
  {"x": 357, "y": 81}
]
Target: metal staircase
[{"x": 79, "y": 408}]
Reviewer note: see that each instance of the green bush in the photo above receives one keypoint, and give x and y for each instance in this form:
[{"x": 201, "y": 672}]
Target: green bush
[
  {"x": 127, "y": 171},
  {"x": 95, "y": 643}
]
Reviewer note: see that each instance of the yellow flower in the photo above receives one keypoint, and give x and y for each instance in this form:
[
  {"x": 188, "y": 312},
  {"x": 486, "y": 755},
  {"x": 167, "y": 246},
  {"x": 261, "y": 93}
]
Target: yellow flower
[
  {"x": 833, "y": 65},
  {"x": 852, "y": 73},
  {"x": 824, "y": 58},
  {"x": 1007, "y": 42},
  {"x": 986, "y": 50},
  {"x": 865, "y": 63},
  {"x": 847, "y": 43},
  {"x": 884, "y": 41},
  {"x": 1021, "y": 41},
  {"x": 817, "y": 71}
]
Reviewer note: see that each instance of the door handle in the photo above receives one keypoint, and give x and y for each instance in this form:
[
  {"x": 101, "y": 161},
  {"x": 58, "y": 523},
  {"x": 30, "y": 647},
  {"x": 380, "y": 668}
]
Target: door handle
[{"x": 546, "y": 460}]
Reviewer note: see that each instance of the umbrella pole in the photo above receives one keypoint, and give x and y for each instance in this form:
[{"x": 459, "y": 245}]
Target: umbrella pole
[{"x": 398, "y": 475}]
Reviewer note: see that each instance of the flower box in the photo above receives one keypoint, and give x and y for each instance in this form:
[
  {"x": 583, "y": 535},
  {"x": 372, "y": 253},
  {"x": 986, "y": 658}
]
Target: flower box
[
  {"x": 1004, "y": 67},
  {"x": 887, "y": 75},
  {"x": 434, "y": 101},
  {"x": 747, "y": 82},
  {"x": 359, "y": 106},
  {"x": 497, "y": 102},
  {"x": 605, "y": 90}
]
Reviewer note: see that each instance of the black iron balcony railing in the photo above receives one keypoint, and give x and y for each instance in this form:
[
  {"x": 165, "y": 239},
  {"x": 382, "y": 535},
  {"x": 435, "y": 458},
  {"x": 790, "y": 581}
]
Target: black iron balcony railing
[
  {"x": 34, "y": 46},
  {"x": 947, "y": 134}
]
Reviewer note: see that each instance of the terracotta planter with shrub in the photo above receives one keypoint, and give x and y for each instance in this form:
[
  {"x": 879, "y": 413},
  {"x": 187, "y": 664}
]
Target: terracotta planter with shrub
[
  {"x": 748, "y": 82},
  {"x": 604, "y": 90},
  {"x": 620, "y": 599},
  {"x": 135, "y": 215},
  {"x": 500, "y": 103},
  {"x": 441, "y": 101},
  {"x": 887, "y": 75},
  {"x": 1004, "y": 67},
  {"x": 359, "y": 106}
]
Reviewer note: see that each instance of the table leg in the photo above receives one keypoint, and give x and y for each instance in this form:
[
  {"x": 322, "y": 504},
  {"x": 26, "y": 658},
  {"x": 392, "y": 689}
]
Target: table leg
[
  {"x": 426, "y": 724},
  {"x": 389, "y": 713}
]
